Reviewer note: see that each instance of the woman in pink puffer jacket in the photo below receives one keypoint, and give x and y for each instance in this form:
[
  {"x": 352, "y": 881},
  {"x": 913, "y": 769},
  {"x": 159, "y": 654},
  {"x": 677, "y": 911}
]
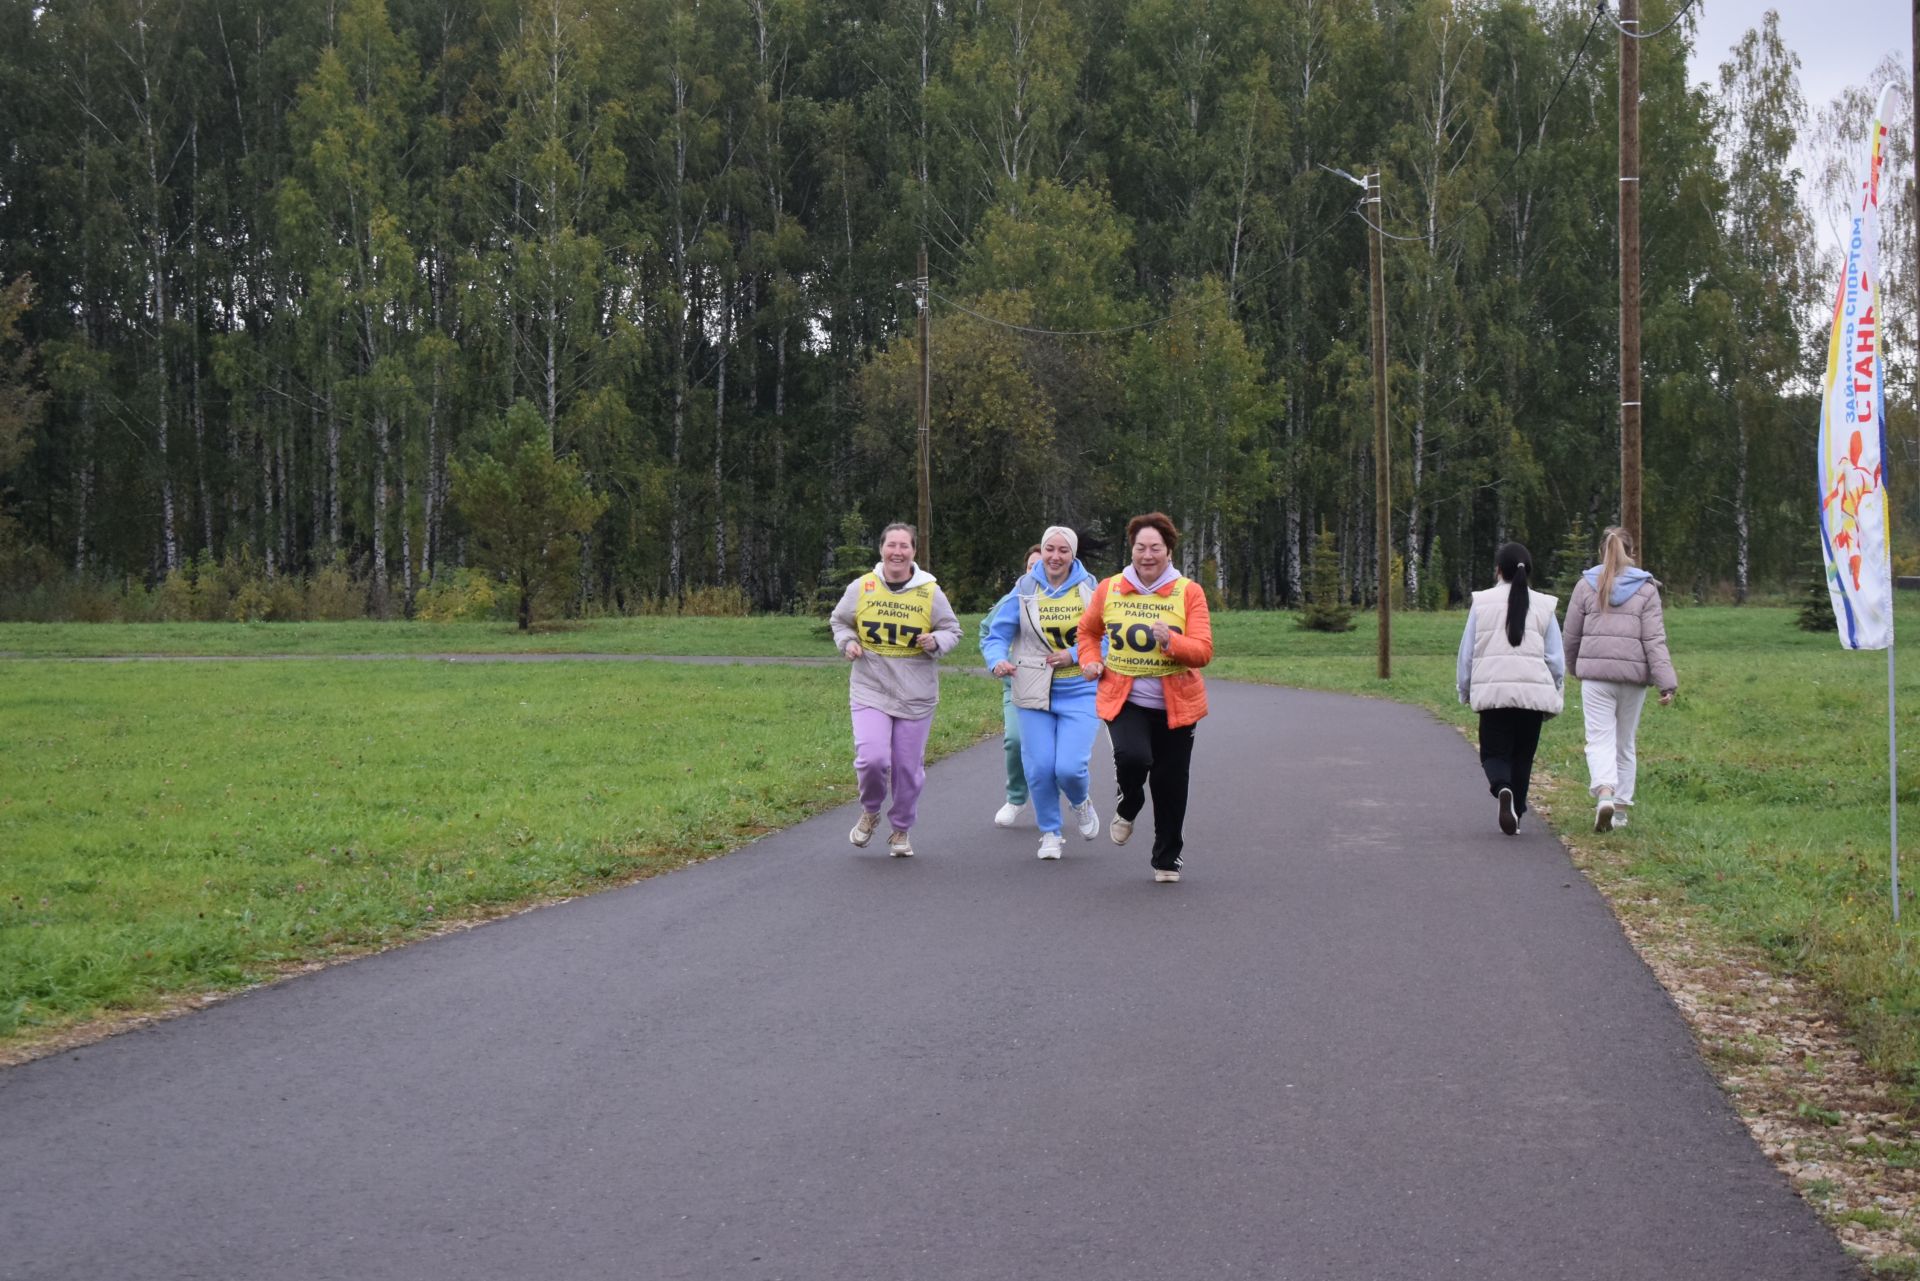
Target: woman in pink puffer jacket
[{"x": 1616, "y": 640}]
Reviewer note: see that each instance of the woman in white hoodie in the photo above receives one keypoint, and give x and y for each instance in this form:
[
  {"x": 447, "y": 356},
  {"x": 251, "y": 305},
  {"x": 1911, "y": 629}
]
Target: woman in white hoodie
[
  {"x": 891, "y": 625},
  {"x": 1511, "y": 670}
]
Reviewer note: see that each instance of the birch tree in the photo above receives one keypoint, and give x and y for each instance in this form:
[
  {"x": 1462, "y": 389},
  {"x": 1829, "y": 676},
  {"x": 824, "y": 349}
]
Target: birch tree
[{"x": 1766, "y": 284}]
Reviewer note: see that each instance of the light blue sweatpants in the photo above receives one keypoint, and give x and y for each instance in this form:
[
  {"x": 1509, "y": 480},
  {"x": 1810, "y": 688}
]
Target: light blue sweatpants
[{"x": 1054, "y": 748}]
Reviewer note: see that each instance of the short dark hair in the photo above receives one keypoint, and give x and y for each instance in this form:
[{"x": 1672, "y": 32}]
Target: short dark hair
[
  {"x": 1152, "y": 520},
  {"x": 1032, "y": 552},
  {"x": 912, "y": 533}
]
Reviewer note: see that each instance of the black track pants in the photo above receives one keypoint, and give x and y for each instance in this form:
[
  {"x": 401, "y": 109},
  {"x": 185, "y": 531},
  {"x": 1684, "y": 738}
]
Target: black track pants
[
  {"x": 1509, "y": 736},
  {"x": 1149, "y": 756}
]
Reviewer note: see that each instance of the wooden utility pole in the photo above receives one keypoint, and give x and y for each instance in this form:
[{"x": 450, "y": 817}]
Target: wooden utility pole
[
  {"x": 1382, "y": 460},
  {"x": 1630, "y": 275},
  {"x": 922, "y": 553}
]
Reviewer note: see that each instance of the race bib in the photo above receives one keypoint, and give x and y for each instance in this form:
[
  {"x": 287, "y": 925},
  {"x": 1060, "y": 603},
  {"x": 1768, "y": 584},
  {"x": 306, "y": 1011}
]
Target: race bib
[
  {"x": 1129, "y": 618},
  {"x": 1060, "y": 623},
  {"x": 891, "y": 623}
]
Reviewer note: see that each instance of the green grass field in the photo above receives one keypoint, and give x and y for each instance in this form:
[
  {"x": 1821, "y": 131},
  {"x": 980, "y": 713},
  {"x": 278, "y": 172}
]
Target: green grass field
[
  {"x": 169, "y": 828},
  {"x": 773, "y": 636},
  {"x": 178, "y": 828}
]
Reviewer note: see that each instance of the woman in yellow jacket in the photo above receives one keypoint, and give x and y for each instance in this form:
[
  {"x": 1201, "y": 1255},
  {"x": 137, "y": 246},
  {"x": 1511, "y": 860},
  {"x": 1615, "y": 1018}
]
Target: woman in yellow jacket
[{"x": 1158, "y": 635}]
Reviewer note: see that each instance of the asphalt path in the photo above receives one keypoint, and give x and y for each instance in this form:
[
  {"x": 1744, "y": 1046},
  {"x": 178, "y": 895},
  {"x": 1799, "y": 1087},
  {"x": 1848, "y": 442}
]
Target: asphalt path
[{"x": 1365, "y": 1037}]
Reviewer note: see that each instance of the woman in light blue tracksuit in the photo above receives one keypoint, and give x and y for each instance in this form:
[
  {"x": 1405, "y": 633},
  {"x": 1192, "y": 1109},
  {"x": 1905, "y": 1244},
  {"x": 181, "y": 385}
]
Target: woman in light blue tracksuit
[{"x": 1031, "y": 636}]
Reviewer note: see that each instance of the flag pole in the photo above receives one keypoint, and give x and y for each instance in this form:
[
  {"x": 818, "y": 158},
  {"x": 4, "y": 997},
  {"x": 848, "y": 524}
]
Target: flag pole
[{"x": 1853, "y": 463}]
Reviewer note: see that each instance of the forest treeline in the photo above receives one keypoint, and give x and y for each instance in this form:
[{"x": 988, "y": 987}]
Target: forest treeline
[{"x": 277, "y": 271}]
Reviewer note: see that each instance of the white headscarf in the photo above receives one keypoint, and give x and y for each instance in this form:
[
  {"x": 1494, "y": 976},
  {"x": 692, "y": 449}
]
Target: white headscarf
[{"x": 1073, "y": 539}]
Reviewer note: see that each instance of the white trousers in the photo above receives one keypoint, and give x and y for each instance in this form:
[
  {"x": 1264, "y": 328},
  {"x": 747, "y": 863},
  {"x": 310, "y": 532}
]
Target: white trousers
[{"x": 1612, "y": 712}]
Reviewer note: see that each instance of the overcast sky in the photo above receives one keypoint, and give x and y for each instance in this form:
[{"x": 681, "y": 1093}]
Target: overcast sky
[{"x": 1838, "y": 41}]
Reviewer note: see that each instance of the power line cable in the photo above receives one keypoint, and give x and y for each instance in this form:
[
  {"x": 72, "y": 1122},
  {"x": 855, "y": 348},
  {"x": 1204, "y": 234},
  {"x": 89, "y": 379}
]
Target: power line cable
[
  {"x": 1646, "y": 35},
  {"x": 1418, "y": 240}
]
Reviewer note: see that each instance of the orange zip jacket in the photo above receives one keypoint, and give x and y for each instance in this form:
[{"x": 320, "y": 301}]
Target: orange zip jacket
[{"x": 1186, "y": 692}]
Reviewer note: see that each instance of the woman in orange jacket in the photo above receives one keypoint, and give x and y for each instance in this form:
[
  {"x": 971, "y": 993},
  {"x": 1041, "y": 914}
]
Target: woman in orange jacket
[{"x": 1158, "y": 635}]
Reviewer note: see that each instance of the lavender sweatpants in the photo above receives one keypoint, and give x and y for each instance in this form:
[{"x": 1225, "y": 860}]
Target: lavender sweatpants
[{"x": 888, "y": 748}]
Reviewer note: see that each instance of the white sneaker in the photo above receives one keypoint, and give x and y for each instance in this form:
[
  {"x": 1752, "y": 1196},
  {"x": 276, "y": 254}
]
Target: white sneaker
[
  {"x": 1619, "y": 819},
  {"x": 863, "y": 830},
  {"x": 1509, "y": 816},
  {"x": 1050, "y": 845},
  {"x": 1603, "y": 815},
  {"x": 1011, "y": 815},
  {"x": 899, "y": 846},
  {"x": 1162, "y": 877},
  {"x": 1121, "y": 829},
  {"x": 1089, "y": 818}
]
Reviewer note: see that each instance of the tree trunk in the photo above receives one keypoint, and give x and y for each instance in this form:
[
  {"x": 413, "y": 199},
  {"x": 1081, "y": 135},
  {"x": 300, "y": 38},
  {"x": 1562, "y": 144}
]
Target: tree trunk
[
  {"x": 83, "y": 482},
  {"x": 380, "y": 582},
  {"x": 157, "y": 267},
  {"x": 720, "y": 439},
  {"x": 406, "y": 539},
  {"x": 1413, "y": 496},
  {"x": 316, "y": 484},
  {"x": 1741, "y": 524},
  {"x": 170, "y": 544},
  {"x": 333, "y": 459},
  {"x": 683, "y": 283},
  {"x": 553, "y": 354},
  {"x": 1219, "y": 559},
  {"x": 266, "y": 512},
  {"x": 193, "y": 349},
  {"x": 674, "y": 562},
  {"x": 777, "y": 505},
  {"x": 430, "y": 513}
]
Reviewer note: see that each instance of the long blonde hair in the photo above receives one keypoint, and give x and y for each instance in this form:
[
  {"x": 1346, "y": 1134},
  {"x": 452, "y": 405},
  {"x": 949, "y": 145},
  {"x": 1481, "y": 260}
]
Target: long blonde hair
[{"x": 1616, "y": 554}]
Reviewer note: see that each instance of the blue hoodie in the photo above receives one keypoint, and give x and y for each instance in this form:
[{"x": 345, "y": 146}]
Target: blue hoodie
[
  {"x": 996, "y": 637},
  {"x": 1625, "y": 583}
]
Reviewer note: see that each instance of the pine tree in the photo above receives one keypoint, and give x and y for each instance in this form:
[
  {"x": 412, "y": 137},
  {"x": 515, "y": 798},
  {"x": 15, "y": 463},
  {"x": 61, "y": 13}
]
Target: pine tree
[
  {"x": 1433, "y": 582},
  {"x": 1326, "y": 609},
  {"x": 851, "y": 558},
  {"x": 1571, "y": 560},
  {"x": 528, "y": 511},
  {"x": 1816, "y": 603}
]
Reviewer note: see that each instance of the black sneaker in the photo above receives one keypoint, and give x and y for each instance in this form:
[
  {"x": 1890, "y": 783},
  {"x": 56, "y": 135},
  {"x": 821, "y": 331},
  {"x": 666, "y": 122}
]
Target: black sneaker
[{"x": 1509, "y": 817}]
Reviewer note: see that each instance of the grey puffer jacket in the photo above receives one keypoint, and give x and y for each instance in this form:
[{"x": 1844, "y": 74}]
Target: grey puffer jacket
[{"x": 1626, "y": 643}]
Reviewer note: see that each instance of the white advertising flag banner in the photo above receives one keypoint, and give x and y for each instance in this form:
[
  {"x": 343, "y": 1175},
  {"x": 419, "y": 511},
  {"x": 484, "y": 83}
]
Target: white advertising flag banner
[{"x": 1853, "y": 495}]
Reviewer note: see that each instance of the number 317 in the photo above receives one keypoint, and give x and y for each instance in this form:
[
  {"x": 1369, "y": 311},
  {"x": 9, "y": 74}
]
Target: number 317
[{"x": 896, "y": 633}]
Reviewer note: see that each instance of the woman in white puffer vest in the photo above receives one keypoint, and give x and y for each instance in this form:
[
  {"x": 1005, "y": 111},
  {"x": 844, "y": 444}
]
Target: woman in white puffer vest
[{"x": 1512, "y": 671}]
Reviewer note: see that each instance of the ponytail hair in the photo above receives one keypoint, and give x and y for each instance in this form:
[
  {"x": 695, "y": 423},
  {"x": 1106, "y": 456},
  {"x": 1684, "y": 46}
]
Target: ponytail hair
[
  {"x": 1511, "y": 561},
  {"x": 1616, "y": 554}
]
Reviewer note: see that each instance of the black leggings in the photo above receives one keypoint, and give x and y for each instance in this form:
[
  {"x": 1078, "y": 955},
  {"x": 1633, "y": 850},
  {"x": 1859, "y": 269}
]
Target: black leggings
[
  {"x": 1509, "y": 736},
  {"x": 1149, "y": 755}
]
